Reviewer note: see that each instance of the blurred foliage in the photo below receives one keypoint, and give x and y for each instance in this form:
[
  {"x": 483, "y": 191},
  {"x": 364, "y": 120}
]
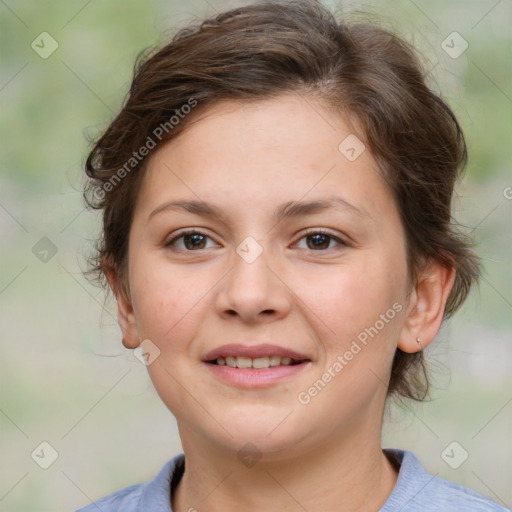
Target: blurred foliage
[{"x": 51, "y": 319}]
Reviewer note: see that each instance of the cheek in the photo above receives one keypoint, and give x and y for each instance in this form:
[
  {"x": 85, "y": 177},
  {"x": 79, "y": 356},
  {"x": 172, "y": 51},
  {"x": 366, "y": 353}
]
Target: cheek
[
  {"x": 351, "y": 298},
  {"x": 165, "y": 301},
  {"x": 358, "y": 315},
  {"x": 362, "y": 305},
  {"x": 167, "y": 307}
]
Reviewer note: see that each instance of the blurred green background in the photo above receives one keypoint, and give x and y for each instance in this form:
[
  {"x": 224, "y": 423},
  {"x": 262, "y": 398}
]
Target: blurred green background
[{"x": 65, "y": 377}]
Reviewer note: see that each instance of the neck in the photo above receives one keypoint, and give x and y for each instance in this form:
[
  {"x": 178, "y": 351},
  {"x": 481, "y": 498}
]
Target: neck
[{"x": 346, "y": 475}]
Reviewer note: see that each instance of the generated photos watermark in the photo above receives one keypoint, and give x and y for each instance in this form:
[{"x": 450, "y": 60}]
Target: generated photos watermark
[
  {"x": 151, "y": 141},
  {"x": 357, "y": 345}
]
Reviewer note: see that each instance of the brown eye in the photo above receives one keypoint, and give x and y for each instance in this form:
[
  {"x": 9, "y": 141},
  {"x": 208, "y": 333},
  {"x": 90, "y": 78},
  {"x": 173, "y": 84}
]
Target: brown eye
[
  {"x": 191, "y": 241},
  {"x": 194, "y": 241},
  {"x": 320, "y": 240}
]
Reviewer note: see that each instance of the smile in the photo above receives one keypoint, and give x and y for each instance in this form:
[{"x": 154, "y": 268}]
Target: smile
[{"x": 257, "y": 363}]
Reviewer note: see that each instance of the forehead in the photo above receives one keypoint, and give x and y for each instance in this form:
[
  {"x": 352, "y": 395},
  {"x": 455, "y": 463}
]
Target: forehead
[
  {"x": 290, "y": 126},
  {"x": 264, "y": 152}
]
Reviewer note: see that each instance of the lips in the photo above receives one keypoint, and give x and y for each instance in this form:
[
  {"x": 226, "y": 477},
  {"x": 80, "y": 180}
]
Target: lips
[
  {"x": 254, "y": 352},
  {"x": 255, "y": 366}
]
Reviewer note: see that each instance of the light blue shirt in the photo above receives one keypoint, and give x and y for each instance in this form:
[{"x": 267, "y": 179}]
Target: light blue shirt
[{"x": 414, "y": 491}]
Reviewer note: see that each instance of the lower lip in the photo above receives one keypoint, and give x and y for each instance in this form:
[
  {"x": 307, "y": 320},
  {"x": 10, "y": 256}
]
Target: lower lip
[{"x": 256, "y": 378}]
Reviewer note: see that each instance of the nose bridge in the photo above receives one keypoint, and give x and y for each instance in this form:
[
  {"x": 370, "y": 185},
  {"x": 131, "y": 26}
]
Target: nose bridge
[{"x": 251, "y": 289}]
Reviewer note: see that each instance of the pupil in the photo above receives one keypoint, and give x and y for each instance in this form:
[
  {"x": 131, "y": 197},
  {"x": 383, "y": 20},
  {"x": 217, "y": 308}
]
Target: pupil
[
  {"x": 195, "y": 238},
  {"x": 320, "y": 240}
]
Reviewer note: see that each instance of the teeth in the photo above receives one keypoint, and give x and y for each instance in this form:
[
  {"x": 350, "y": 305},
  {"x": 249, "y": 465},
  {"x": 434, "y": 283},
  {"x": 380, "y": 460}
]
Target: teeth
[
  {"x": 261, "y": 362},
  {"x": 257, "y": 363},
  {"x": 275, "y": 360},
  {"x": 243, "y": 362}
]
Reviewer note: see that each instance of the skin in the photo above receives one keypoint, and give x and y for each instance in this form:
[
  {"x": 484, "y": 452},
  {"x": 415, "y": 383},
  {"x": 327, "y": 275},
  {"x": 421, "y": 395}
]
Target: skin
[{"x": 247, "y": 159}]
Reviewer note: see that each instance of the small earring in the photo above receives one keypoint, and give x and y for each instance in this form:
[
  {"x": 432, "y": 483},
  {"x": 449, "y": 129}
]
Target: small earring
[{"x": 418, "y": 341}]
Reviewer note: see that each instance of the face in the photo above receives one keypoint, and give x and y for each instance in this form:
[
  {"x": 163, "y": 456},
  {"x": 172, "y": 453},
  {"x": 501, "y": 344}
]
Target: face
[{"x": 257, "y": 239}]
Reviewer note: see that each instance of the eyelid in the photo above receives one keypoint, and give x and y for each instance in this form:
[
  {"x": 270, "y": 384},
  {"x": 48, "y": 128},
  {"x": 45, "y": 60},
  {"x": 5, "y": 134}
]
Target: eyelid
[
  {"x": 310, "y": 231},
  {"x": 187, "y": 231},
  {"x": 313, "y": 231}
]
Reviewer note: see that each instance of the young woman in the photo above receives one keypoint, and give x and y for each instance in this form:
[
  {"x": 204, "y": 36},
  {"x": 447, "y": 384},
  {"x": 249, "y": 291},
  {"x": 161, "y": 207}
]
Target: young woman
[{"x": 276, "y": 200}]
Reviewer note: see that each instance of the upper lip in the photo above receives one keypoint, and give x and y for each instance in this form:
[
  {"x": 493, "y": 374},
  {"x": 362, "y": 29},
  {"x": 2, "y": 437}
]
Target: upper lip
[{"x": 253, "y": 351}]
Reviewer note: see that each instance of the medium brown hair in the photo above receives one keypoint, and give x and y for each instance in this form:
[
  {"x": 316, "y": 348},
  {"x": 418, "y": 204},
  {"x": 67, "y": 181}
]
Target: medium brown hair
[{"x": 265, "y": 50}]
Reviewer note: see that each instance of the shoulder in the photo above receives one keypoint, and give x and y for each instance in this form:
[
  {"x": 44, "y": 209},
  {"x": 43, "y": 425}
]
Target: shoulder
[
  {"x": 416, "y": 490},
  {"x": 442, "y": 493},
  {"x": 153, "y": 495},
  {"x": 126, "y": 500}
]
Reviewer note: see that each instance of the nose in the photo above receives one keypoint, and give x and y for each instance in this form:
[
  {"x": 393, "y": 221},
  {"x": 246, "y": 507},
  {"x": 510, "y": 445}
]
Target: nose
[{"x": 254, "y": 291}]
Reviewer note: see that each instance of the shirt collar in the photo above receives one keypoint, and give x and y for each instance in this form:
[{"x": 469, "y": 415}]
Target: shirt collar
[
  {"x": 156, "y": 495},
  {"x": 157, "y": 492}
]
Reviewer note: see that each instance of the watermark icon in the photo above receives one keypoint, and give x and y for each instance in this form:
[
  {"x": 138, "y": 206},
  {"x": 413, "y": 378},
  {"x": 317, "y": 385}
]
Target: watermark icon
[
  {"x": 45, "y": 455},
  {"x": 304, "y": 397},
  {"x": 454, "y": 455},
  {"x": 454, "y": 45},
  {"x": 147, "y": 352},
  {"x": 44, "y": 45},
  {"x": 351, "y": 147},
  {"x": 507, "y": 192},
  {"x": 249, "y": 454},
  {"x": 249, "y": 249},
  {"x": 44, "y": 250},
  {"x": 138, "y": 156}
]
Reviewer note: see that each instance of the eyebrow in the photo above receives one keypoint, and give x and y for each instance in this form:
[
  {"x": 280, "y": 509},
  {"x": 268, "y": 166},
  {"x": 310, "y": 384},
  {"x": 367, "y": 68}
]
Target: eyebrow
[{"x": 285, "y": 210}]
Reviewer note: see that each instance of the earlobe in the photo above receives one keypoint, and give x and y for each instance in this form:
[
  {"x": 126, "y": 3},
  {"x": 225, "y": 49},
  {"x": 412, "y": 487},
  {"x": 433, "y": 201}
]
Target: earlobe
[
  {"x": 125, "y": 313},
  {"x": 126, "y": 319},
  {"x": 426, "y": 307}
]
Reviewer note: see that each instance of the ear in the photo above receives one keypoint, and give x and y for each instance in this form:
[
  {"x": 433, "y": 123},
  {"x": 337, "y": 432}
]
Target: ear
[
  {"x": 426, "y": 306},
  {"x": 125, "y": 314}
]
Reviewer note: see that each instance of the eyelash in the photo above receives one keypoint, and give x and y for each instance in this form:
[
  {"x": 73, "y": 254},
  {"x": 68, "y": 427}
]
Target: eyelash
[{"x": 310, "y": 232}]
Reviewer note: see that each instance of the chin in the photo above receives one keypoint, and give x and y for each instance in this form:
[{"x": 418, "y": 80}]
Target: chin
[{"x": 268, "y": 435}]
